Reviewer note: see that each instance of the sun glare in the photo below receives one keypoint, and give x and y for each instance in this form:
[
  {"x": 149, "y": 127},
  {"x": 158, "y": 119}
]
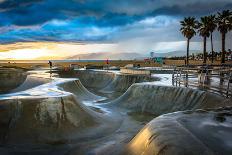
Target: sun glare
[
  {"x": 25, "y": 54},
  {"x": 49, "y": 50}
]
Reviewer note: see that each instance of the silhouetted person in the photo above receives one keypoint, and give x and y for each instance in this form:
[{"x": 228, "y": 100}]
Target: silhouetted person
[
  {"x": 107, "y": 63},
  {"x": 50, "y": 64}
]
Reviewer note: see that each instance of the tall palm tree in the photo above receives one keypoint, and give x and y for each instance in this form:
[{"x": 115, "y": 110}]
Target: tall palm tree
[
  {"x": 205, "y": 33},
  {"x": 212, "y": 25},
  {"x": 188, "y": 29},
  {"x": 230, "y": 22},
  {"x": 223, "y": 28}
]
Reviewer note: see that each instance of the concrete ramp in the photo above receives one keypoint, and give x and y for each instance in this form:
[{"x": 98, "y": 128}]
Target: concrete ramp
[
  {"x": 43, "y": 120},
  {"x": 89, "y": 78},
  {"x": 60, "y": 115},
  {"x": 14, "y": 80},
  {"x": 11, "y": 78},
  {"x": 30, "y": 82},
  {"x": 159, "y": 100},
  {"x": 94, "y": 79},
  {"x": 49, "y": 115},
  {"x": 191, "y": 133},
  {"x": 79, "y": 91},
  {"x": 107, "y": 82},
  {"x": 122, "y": 82}
]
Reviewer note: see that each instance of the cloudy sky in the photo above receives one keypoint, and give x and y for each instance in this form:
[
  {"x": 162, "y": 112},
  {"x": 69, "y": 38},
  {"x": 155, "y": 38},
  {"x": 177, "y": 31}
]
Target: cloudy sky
[{"x": 56, "y": 28}]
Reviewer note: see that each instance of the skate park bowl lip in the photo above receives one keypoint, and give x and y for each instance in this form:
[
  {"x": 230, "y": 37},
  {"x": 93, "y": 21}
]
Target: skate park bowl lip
[
  {"x": 11, "y": 78},
  {"x": 50, "y": 89},
  {"x": 18, "y": 79}
]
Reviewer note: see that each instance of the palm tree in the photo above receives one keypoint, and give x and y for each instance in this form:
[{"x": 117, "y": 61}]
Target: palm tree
[
  {"x": 223, "y": 28},
  {"x": 205, "y": 33},
  {"x": 188, "y": 28},
  {"x": 212, "y": 25},
  {"x": 230, "y": 22}
]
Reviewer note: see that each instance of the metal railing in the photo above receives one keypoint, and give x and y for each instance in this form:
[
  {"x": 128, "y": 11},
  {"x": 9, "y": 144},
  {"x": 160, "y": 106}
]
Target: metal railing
[{"x": 216, "y": 79}]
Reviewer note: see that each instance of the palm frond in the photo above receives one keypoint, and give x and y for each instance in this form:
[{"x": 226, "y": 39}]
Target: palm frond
[{"x": 189, "y": 24}]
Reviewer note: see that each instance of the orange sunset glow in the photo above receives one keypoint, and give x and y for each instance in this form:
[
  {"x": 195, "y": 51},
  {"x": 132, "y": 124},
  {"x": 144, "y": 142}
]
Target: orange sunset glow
[{"x": 47, "y": 50}]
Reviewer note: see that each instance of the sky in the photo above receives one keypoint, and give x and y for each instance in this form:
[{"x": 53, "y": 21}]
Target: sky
[{"x": 55, "y": 29}]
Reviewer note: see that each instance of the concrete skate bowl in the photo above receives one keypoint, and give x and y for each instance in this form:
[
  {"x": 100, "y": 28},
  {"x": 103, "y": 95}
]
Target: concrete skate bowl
[
  {"x": 79, "y": 91},
  {"x": 48, "y": 115},
  {"x": 90, "y": 78},
  {"x": 11, "y": 78},
  {"x": 158, "y": 100},
  {"x": 62, "y": 116},
  {"x": 169, "y": 135},
  {"x": 14, "y": 80},
  {"x": 30, "y": 82},
  {"x": 121, "y": 83},
  {"x": 48, "y": 121},
  {"x": 196, "y": 132},
  {"x": 108, "y": 84}
]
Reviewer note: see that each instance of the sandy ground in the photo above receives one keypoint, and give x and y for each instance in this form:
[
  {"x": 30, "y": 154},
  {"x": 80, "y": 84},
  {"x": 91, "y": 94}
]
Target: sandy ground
[{"x": 118, "y": 63}]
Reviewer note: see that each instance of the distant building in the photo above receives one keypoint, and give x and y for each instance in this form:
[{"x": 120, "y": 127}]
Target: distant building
[{"x": 152, "y": 54}]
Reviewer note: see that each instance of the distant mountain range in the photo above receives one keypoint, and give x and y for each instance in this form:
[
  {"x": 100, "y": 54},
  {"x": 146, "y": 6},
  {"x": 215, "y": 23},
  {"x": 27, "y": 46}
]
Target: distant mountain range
[
  {"x": 125, "y": 56},
  {"x": 107, "y": 55}
]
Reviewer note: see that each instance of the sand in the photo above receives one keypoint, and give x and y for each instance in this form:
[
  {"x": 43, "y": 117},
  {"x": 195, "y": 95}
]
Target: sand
[{"x": 118, "y": 63}]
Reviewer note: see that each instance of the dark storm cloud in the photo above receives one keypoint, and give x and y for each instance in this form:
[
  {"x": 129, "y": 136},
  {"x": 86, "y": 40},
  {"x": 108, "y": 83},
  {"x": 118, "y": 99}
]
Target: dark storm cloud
[
  {"x": 32, "y": 12},
  {"x": 12, "y": 4},
  {"x": 82, "y": 16},
  {"x": 193, "y": 9}
]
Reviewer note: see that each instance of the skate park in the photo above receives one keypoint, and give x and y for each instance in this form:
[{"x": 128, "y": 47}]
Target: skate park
[{"x": 109, "y": 112}]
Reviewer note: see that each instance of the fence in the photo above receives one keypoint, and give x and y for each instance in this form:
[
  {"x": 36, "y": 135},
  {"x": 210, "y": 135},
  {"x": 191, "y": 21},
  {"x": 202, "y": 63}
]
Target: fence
[{"x": 214, "y": 79}]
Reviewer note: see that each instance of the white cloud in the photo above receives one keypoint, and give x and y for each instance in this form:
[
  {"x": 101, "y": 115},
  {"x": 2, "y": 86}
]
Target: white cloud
[
  {"x": 56, "y": 22},
  {"x": 95, "y": 31}
]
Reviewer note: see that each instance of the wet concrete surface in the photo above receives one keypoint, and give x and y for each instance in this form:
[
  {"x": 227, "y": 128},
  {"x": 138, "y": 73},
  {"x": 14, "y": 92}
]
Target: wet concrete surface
[
  {"x": 91, "y": 116},
  {"x": 190, "y": 132},
  {"x": 11, "y": 78}
]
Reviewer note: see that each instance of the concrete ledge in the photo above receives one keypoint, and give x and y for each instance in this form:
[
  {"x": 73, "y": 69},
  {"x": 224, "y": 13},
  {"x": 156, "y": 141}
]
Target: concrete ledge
[{"x": 135, "y": 71}]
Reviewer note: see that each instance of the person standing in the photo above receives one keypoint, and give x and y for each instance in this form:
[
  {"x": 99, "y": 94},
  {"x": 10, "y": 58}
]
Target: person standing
[
  {"x": 50, "y": 64},
  {"x": 107, "y": 63}
]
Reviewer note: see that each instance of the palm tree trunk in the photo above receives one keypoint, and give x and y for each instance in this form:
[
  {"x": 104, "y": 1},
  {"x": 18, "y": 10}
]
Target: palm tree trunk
[
  {"x": 204, "y": 51},
  {"x": 223, "y": 48},
  {"x": 187, "y": 57},
  {"x": 212, "y": 52}
]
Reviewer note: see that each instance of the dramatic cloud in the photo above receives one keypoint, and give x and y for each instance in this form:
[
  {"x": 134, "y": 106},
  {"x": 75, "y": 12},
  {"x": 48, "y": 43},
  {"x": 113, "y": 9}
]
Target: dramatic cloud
[{"x": 146, "y": 23}]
